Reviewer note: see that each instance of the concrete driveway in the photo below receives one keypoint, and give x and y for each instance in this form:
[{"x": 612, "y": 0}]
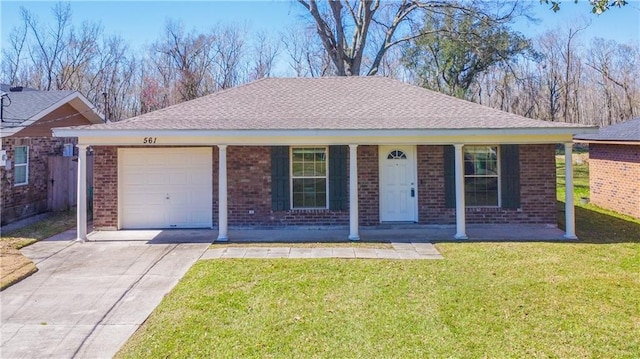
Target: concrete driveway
[{"x": 87, "y": 299}]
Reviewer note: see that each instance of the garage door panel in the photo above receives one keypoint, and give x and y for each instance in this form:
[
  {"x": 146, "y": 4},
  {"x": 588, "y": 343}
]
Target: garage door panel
[
  {"x": 142, "y": 199},
  {"x": 179, "y": 178},
  {"x": 166, "y": 187}
]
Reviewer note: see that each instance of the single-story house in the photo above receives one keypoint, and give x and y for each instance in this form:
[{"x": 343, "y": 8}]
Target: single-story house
[
  {"x": 614, "y": 167},
  {"x": 356, "y": 151},
  {"x": 28, "y": 116}
]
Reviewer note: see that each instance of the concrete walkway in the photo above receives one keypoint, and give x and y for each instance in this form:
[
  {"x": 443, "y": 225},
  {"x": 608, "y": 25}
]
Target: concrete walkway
[
  {"x": 87, "y": 299},
  {"x": 399, "y": 251}
]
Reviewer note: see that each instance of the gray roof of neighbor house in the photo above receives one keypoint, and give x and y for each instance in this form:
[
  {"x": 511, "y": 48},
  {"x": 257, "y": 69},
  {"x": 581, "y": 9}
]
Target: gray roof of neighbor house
[
  {"x": 7, "y": 88},
  {"x": 331, "y": 103},
  {"x": 23, "y": 105},
  {"x": 624, "y": 131}
]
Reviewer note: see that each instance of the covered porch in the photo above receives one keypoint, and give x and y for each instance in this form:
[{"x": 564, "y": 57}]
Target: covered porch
[{"x": 461, "y": 231}]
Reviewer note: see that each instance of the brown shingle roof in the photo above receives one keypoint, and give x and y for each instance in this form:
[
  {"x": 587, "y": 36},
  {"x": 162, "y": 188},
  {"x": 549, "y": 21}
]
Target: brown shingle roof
[{"x": 333, "y": 103}]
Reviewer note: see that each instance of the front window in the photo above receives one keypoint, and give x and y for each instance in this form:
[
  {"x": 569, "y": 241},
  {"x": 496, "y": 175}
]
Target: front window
[
  {"x": 21, "y": 165},
  {"x": 481, "y": 176},
  {"x": 309, "y": 177}
]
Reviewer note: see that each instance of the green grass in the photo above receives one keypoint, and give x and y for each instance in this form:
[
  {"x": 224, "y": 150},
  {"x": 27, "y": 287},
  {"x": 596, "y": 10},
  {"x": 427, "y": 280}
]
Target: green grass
[
  {"x": 13, "y": 265},
  {"x": 562, "y": 299},
  {"x": 580, "y": 180},
  {"x": 52, "y": 225}
]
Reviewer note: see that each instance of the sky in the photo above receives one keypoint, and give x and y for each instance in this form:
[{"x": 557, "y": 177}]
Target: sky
[{"x": 141, "y": 22}]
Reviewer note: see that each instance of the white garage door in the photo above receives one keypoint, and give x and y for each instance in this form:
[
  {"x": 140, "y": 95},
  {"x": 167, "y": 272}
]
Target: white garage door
[{"x": 165, "y": 187}]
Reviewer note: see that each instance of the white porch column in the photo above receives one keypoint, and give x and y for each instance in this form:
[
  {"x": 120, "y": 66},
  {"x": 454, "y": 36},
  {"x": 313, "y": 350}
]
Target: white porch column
[
  {"x": 569, "y": 210},
  {"x": 222, "y": 193},
  {"x": 353, "y": 193},
  {"x": 460, "y": 206},
  {"x": 81, "y": 205}
]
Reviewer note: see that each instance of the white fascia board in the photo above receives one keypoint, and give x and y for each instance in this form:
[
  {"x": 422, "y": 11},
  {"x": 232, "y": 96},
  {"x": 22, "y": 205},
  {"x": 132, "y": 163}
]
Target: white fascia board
[
  {"x": 160, "y": 141},
  {"x": 10, "y": 131},
  {"x": 608, "y": 142},
  {"x": 87, "y": 108},
  {"x": 90, "y": 133}
]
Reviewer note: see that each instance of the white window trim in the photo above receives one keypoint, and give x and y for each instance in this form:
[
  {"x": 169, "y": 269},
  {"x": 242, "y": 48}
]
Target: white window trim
[
  {"x": 291, "y": 178},
  {"x": 499, "y": 175},
  {"x": 16, "y": 165}
]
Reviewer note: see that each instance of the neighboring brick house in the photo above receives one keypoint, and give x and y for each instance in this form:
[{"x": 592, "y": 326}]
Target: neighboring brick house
[
  {"x": 614, "y": 167},
  {"x": 27, "y": 118},
  {"x": 321, "y": 152}
]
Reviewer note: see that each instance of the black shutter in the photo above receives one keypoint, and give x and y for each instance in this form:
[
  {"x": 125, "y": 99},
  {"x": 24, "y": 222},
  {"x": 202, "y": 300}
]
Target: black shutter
[
  {"x": 449, "y": 177},
  {"x": 280, "y": 178},
  {"x": 510, "y": 176},
  {"x": 338, "y": 192}
]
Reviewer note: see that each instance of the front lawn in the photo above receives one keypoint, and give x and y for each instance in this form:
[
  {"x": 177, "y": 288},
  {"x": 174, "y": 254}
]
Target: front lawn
[
  {"x": 484, "y": 299},
  {"x": 564, "y": 299}
]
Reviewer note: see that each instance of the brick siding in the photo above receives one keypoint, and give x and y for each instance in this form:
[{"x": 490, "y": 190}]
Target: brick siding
[
  {"x": 614, "y": 177},
  {"x": 537, "y": 189},
  {"x": 22, "y": 201},
  {"x": 249, "y": 190},
  {"x": 105, "y": 187}
]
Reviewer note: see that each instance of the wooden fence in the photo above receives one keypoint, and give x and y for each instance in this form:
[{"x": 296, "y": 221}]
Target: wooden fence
[{"x": 62, "y": 182}]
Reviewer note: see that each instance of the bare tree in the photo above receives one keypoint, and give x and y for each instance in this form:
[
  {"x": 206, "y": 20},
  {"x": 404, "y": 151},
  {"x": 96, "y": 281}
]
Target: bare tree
[
  {"x": 12, "y": 57},
  {"x": 617, "y": 66},
  {"x": 189, "y": 56},
  {"x": 394, "y": 23},
  {"x": 229, "y": 51},
  {"x": 265, "y": 52},
  {"x": 306, "y": 54},
  {"x": 571, "y": 72},
  {"x": 331, "y": 24},
  {"x": 73, "y": 62},
  {"x": 50, "y": 43}
]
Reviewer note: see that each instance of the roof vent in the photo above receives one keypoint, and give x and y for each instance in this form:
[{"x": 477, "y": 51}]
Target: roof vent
[{"x": 16, "y": 89}]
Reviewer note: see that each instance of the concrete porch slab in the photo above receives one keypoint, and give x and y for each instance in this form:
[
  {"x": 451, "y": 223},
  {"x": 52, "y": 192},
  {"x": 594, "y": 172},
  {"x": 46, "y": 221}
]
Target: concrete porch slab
[{"x": 401, "y": 233}]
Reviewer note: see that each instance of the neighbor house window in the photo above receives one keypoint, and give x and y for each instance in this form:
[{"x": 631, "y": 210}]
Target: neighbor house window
[
  {"x": 481, "y": 176},
  {"x": 309, "y": 177},
  {"x": 21, "y": 165}
]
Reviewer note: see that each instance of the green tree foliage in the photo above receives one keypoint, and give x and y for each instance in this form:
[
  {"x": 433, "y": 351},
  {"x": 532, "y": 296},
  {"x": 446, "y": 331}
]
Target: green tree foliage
[
  {"x": 458, "y": 46},
  {"x": 598, "y": 6}
]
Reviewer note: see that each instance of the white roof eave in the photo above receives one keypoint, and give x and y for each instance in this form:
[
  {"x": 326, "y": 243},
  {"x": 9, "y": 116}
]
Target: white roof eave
[{"x": 102, "y": 133}]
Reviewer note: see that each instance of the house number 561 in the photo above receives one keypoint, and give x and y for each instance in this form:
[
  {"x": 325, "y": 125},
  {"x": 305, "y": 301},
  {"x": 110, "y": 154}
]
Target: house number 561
[{"x": 149, "y": 140}]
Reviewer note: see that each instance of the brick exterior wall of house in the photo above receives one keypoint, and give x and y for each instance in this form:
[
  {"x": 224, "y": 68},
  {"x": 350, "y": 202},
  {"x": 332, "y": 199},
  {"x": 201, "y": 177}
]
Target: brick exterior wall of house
[
  {"x": 368, "y": 185},
  {"x": 105, "y": 188},
  {"x": 22, "y": 201},
  {"x": 537, "y": 185},
  {"x": 249, "y": 190},
  {"x": 614, "y": 177},
  {"x": 537, "y": 189}
]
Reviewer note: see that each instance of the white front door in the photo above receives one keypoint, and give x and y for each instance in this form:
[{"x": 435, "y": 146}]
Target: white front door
[{"x": 398, "y": 190}]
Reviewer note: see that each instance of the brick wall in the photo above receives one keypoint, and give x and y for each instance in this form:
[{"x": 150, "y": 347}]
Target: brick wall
[
  {"x": 614, "y": 177},
  {"x": 249, "y": 186},
  {"x": 537, "y": 181},
  {"x": 22, "y": 201},
  {"x": 431, "y": 205},
  {"x": 368, "y": 186},
  {"x": 537, "y": 185},
  {"x": 249, "y": 190},
  {"x": 105, "y": 187}
]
